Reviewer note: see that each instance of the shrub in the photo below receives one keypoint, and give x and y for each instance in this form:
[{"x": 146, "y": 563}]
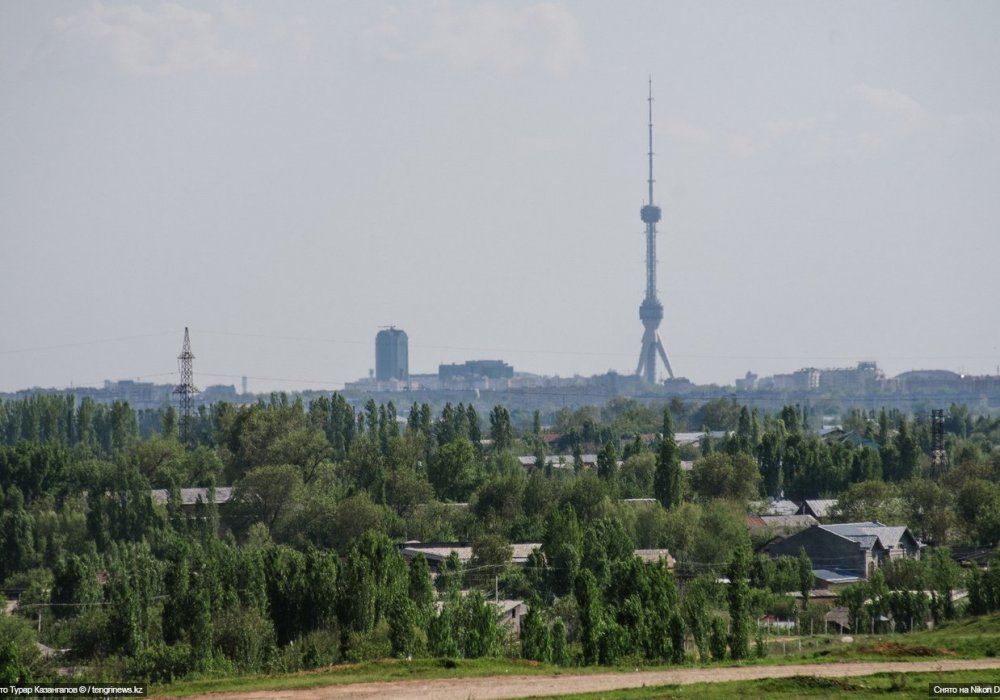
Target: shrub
[{"x": 367, "y": 646}]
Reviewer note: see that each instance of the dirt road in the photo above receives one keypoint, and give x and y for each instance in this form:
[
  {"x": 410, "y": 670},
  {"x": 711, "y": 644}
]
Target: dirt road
[{"x": 527, "y": 686}]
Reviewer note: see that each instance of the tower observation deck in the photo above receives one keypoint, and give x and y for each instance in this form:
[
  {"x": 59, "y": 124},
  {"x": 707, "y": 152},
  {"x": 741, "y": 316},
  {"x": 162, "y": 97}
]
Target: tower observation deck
[{"x": 651, "y": 310}]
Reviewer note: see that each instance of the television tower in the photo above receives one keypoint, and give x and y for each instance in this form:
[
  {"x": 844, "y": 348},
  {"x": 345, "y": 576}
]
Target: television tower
[
  {"x": 651, "y": 310},
  {"x": 186, "y": 390}
]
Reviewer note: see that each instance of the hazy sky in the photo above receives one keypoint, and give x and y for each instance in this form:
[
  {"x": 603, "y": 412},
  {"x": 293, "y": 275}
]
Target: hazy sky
[{"x": 285, "y": 178}]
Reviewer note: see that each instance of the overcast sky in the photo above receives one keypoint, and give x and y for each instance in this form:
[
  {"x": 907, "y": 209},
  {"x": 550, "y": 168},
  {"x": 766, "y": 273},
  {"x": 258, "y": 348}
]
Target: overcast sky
[{"x": 286, "y": 178}]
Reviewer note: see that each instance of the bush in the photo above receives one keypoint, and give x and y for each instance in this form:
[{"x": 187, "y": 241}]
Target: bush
[
  {"x": 161, "y": 663},
  {"x": 760, "y": 647},
  {"x": 320, "y": 648},
  {"x": 246, "y": 637},
  {"x": 368, "y": 646},
  {"x": 89, "y": 633}
]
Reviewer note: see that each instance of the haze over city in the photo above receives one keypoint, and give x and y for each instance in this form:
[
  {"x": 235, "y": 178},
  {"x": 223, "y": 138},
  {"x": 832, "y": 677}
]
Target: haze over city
[{"x": 286, "y": 180}]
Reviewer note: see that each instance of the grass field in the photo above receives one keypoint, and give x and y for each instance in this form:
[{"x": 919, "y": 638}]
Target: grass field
[
  {"x": 895, "y": 685},
  {"x": 975, "y": 638},
  {"x": 384, "y": 670}
]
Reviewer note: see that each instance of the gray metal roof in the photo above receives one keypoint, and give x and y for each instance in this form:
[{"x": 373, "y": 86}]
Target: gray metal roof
[
  {"x": 774, "y": 506},
  {"x": 821, "y": 506},
  {"x": 834, "y": 576},
  {"x": 867, "y": 533}
]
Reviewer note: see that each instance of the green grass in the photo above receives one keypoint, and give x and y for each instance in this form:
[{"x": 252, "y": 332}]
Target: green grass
[
  {"x": 881, "y": 685},
  {"x": 368, "y": 672},
  {"x": 973, "y": 638}
]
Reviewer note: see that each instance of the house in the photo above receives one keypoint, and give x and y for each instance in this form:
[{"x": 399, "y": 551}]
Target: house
[
  {"x": 849, "y": 549},
  {"x": 191, "y": 496},
  {"x": 560, "y": 461},
  {"x": 510, "y": 612},
  {"x": 436, "y": 552},
  {"x": 651, "y": 556},
  {"x": 849, "y": 437},
  {"x": 774, "y": 506},
  {"x": 783, "y": 525},
  {"x": 817, "y": 508}
]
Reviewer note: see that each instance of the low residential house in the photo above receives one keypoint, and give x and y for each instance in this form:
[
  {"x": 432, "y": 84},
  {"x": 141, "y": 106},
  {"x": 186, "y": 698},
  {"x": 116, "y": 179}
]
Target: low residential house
[
  {"x": 510, "y": 612},
  {"x": 818, "y": 508},
  {"x": 651, "y": 556},
  {"x": 774, "y": 506},
  {"x": 191, "y": 496},
  {"x": 560, "y": 461},
  {"x": 849, "y": 437},
  {"x": 849, "y": 550},
  {"x": 768, "y": 526},
  {"x": 436, "y": 552}
]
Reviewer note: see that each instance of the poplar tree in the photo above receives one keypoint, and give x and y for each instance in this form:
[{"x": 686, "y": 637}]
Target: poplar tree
[
  {"x": 739, "y": 603},
  {"x": 536, "y": 643},
  {"x": 667, "y": 479}
]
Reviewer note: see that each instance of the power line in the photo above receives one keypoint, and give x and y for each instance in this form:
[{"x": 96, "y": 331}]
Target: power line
[{"x": 82, "y": 343}]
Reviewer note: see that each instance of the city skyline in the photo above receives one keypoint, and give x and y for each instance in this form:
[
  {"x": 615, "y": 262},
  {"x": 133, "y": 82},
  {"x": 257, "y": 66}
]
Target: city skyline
[{"x": 286, "y": 181}]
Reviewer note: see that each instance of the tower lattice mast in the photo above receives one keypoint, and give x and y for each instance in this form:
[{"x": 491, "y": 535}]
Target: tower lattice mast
[
  {"x": 186, "y": 390},
  {"x": 651, "y": 310}
]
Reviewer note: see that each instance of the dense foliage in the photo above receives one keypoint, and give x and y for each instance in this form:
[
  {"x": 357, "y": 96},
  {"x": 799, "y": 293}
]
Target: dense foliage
[{"x": 300, "y": 567}]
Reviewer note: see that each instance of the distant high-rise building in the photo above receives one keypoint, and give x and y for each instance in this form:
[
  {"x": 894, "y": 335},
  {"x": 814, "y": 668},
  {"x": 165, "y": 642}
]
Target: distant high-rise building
[{"x": 392, "y": 355}]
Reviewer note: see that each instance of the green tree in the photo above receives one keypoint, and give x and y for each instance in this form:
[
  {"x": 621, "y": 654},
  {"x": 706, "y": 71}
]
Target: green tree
[
  {"x": 560, "y": 645},
  {"x": 667, "y": 482},
  {"x": 869, "y": 500},
  {"x": 371, "y": 581},
  {"x": 452, "y": 471},
  {"x": 695, "y": 609},
  {"x": 421, "y": 589},
  {"x": 739, "y": 603},
  {"x": 266, "y": 495},
  {"x": 480, "y": 633},
  {"x": 562, "y": 546},
  {"x": 591, "y": 616},
  {"x": 719, "y": 475},
  {"x": 501, "y": 431},
  {"x": 943, "y": 576},
  {"x": 805, "y": 576},
  {"x": 536, "y": 643},
  {"x": 607, "y": 463},
  {"x": 717, "y": 639},
  {"x": 676, "y": 638},
  {"x": 440, "y": 635},
  {"x": 12, "y": 670},
  {"x": 491, "y": 556}
]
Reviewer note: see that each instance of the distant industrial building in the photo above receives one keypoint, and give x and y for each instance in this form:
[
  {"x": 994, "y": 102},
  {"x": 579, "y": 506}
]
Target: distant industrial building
[
  {"x": 490, "y": 369},
  {"x": 865, "y": 377},
  {"x": 392, "y": 355},
  {"x": 476, "y": 374}
]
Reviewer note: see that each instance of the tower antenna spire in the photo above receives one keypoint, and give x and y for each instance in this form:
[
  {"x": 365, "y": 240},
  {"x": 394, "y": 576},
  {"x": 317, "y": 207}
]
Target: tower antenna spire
[
  {"x": 650, "y": 100},
  {"x": 186, "y": 390},
  {"x": 651, "y": 310}
]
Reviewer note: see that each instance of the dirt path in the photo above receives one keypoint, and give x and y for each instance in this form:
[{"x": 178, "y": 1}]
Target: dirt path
[{"x": 528, "y": 686}]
